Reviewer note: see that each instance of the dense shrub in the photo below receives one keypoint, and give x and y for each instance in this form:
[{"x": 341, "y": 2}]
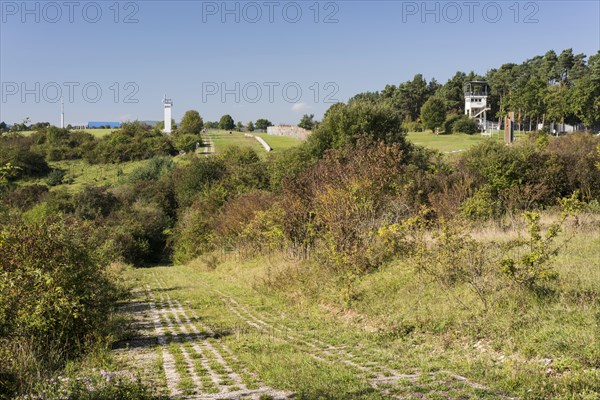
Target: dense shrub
[
  {"x": 55, "y": 177},
  {"x": 347, "y": 124},
  {"x": 450, "y": 120},
  {"x": 159, "y": 192},
  {"x": 244, "y": 170},
  {"x": 449, "y": 188},
  {"x": 136, "y": 234},
  {"x": 26, "y": 197},
  {"x": 412, "y": 126},
  {"x": 60, "y": 201},
  {"x": 482, "y": 205},
  {"x": 54, "y": 296},
  {"x": 577, "y": 157},
  {"x": 341, "y": 200},
  {"x": 529, "y": 174},
  {"x": 63, "y": 144},
  {"x": 17, "y": 151},
  {"x": 134, "y": 141},
  {"x": 466, "y": 125},
  {"x": 193, "y": 234},
  {"x": 185, "y": 142},
  {"x": 152, "y": 170},
  {"x": 239, "y": 212},
  {"x": 192, "y": 179},
  {"x": 94, "y": 202},
  {"x": 493, "y": 163},
  {"x": 288, "y": 164}
]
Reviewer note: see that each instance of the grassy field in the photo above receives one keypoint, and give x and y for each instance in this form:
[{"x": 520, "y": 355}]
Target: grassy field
[
  {"x": 100, "y": 132},
  {"x": 267, "y": 344},
  {"x": 223, "y": 139},
  {"x": 279, "y": 143},
  {"x": 455, "y": 142},
  {"x": 281, "y": 325},
  {"x": 80, "y": 173},
  {"x": 96, "y": 132}
]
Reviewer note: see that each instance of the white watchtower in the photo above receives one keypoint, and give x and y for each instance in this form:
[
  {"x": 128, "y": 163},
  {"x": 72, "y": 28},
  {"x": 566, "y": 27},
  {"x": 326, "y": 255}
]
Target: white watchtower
[
  {"x": 476, "y": 107},
  {"x": 168, "y": 104}
]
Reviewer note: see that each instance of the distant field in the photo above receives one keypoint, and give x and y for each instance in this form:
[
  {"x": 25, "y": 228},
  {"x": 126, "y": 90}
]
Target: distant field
[
  {"x": 100, "y": 132},
  {"x": 446, "y": 143},
  {"x": 223, "y": 140},
  {"x": 96, "y": 132},
  {"x": 83, "y": 174},
  {"x": 454, "y": 142},
  {"x": 279, "y": 143}
]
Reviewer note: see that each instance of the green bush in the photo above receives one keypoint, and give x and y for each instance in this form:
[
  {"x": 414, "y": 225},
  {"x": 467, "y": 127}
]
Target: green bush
[
  {"x": 482, "y": 205},
  {"x": 55, "y": 296},
  {"x": 17, "y": 151},
  {"x": 94, "y": 202},
  {"x": 466, "y": 125},
  {"x": 193, "y": 235},
  {"x": 152, "y": 170},
  {"x": 528, "y": 261},
  {"x": 450, "y": 120},
  {"x": 245, "y": 171},
  {"x": 452, "y": 258},
  {"x": 134, "y": 141},
  {"x": 577, "y": 158},
  {"x": 346, "y": 195},
  {"x": 137, "y": 234},
  {"x": 192, "y": 179},
  {"x": 55, "y": 177},
  {"x": 63, "y": 144},
  {"x": 412, "y": 126},
  {"x": 185, "y": 142},
  {"x": 348, "y": 124},
  {"x": 531, "y": 173},
  {"x": 26, "y": 197},
  {"x": 288, "y": 164}
]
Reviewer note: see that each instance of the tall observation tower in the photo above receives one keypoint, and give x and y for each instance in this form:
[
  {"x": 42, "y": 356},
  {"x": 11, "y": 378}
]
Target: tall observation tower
[
  {"x": 476, "y": 107},
  {"x": 168, "y": 104}
]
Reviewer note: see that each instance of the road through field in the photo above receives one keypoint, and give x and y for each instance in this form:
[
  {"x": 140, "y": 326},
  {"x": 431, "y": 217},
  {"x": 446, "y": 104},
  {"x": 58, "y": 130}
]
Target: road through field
[{"x": 218, "y": 341}]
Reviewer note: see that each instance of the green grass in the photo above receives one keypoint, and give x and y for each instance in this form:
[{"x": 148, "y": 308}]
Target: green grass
[
  {"x": 446, "y": 143},
  {"x": 81, "y": 173},
  {"x": 455, "y": 142},
  {"x": 223, "y": 140},
  {"x": 279, "y": 143},
  {"x": 100, "y": 132},
  {"x": 397, "y": 319}
]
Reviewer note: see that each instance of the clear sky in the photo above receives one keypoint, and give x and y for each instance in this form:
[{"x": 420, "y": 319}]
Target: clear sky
[{"x": 114, "y": 61}]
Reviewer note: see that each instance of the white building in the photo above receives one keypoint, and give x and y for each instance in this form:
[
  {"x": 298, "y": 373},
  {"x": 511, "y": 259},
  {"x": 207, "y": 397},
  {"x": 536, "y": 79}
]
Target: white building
[
  {"x": 168, "y": 105},
  {"x": 476, "y": 107}
]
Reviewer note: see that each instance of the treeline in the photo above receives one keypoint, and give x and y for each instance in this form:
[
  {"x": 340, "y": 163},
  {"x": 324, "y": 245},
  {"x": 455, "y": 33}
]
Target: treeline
[
  {"x": 356, "y": 174},
  {"x": 563, "y": 88},
  {"x": 133, "y": 141}
]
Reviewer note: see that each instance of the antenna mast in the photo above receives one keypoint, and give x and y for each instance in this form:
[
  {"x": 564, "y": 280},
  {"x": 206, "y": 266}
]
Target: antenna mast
[{"x": 62, "y": 113}]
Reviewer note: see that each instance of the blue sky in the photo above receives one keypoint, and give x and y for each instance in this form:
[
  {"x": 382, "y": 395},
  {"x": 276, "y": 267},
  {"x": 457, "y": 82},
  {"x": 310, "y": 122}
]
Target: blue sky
[{"x": 263, "y": 59}]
